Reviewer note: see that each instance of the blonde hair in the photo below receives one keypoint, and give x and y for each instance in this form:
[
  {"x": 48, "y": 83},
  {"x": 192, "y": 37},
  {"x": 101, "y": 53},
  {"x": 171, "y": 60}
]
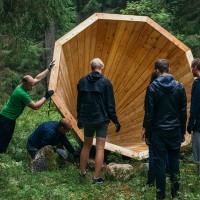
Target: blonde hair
[{"x": 96, "y": 63}]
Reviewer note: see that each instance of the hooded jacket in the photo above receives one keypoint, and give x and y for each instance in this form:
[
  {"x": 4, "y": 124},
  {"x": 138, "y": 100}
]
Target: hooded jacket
[
  {"x": 165, "y": 105},
  {"x": 194, "y": 120},
  {"x": 95, "y": 102}
]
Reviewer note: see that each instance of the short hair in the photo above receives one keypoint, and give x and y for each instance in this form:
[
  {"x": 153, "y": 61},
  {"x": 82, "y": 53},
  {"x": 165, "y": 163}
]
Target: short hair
[
  {"x": 65, "y": 123},
  {"x": 96, "y": 63},
  {"x": 26, "y": 79},
  {"x": 196, "y": 62},
  {"x": 162, "y": 65}
]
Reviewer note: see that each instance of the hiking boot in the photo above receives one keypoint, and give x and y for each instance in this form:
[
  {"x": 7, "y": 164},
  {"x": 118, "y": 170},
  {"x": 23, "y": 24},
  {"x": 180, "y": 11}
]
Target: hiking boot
[{"x": 98, "y": 180}]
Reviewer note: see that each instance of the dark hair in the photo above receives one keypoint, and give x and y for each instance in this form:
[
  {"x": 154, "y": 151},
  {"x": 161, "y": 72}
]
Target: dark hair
[
  {"x": 154, "y": 76},
  {"x": 162, "y": 65},
  {"x": 196, "y": 62}
]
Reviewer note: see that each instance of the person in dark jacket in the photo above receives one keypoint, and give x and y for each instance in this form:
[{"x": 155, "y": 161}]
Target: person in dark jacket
[
  {"x": 51, "y": 133},
  {"x": 194, "y": 120},
  {"x": 95, "y": 108},
  {"x": 145, "y": 134},
  {"x": 165, "y": 116}
]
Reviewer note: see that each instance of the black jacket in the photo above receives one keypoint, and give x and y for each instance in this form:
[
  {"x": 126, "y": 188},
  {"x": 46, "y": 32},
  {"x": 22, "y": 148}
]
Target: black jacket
[
  {"x": 165, "y": 105},
  {"x": 194, "y": 120},
  {"x": 95, "y": 102}
]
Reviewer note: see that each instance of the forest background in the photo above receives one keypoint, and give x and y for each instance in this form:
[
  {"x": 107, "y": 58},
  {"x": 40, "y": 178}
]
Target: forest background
[{"x": 28, "y": 30}]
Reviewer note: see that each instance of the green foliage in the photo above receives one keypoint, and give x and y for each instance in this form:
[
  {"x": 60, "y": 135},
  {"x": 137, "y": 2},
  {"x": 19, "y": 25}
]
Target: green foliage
[
  {"x": 92, "y": 7},
  {"x": 154, "y": 9},
  {"x": 22, "y": 30}
]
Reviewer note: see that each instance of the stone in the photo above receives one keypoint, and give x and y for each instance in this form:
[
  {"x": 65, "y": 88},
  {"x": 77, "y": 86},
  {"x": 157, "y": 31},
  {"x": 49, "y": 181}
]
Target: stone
[
  {"x": 45, "y": 160},
  {"x": 122, "y": 172}
]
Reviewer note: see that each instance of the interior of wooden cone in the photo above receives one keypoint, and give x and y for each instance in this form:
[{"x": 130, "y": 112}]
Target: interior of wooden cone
[{"x": 129, "y": 49}]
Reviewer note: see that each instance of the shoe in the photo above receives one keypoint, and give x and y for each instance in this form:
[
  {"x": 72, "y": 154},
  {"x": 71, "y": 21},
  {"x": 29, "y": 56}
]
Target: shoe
[
  {"x": 82, "y": 175},
  {"x": 98, "y": 180}
]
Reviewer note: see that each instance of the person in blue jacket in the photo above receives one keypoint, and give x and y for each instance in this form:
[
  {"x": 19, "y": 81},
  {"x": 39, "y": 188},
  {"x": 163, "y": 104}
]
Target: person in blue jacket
[
  {"x": 194, "y": 120},
  {"x": 51, "y": 133}
]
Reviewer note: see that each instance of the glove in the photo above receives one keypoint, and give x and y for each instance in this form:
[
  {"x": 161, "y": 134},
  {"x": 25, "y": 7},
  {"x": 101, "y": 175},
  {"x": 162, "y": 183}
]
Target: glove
[
  {"x": 118, "y": 126},
  {"x": 62, "y": 153},
  {"x": 80, "y": 125},
  {"x": 76, "y": 154},
  {"x": 48, "y": 94},
  {"x": 51, "y": 65}
]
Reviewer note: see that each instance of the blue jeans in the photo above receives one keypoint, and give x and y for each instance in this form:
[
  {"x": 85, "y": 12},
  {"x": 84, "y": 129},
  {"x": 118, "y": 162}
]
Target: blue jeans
[{"x": 166, "y": 142}]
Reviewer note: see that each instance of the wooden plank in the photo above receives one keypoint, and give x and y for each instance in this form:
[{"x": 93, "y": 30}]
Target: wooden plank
[
  {"x": 123, "y": 54},
  {"x": 121, "y": 29},
  {"x": 120, "y": 17},
  {"x": 92, "y": 44},
  {"x": 101, "y": 33},
  {"x": 54, "y": 72},
  {"x": 168, "y": 35},
  {"x": 65, "y": 112},
  {"x": 71, "y": 34},
  {"x": 137, "y": 40},
  {"x": 107, "y": 45}
]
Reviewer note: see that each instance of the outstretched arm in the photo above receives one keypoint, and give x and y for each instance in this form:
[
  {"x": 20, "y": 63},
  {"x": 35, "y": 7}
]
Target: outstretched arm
[{"x": 43, "y": 74}]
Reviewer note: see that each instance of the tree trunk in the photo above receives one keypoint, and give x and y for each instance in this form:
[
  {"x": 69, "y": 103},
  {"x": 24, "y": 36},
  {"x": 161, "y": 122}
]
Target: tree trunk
[{"x": 49, "y": 45}]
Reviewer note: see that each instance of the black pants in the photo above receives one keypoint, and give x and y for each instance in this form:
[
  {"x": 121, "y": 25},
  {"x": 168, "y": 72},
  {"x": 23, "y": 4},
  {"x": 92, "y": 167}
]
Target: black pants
[
  {"x": 166, "y": 142},
  {"x": 7, "y": 127}
]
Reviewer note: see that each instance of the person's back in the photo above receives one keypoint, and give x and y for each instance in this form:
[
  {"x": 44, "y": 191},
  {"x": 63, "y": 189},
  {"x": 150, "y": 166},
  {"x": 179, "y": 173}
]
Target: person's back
[
  {"x": 96, "y": 99},
  {"x": 165, "y": 116},
  {"x": 169, "y": 97},
  {"x": 44, "y": 135}
]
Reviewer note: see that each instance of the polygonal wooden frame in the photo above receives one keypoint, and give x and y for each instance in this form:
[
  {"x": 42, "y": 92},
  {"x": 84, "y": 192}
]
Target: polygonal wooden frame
[{"x": 128, "y": 46}]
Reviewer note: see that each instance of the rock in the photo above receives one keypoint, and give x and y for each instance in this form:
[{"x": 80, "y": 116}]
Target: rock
[
  {"x": 122, "y": 172},
  {"x": 45, "y": 160}
]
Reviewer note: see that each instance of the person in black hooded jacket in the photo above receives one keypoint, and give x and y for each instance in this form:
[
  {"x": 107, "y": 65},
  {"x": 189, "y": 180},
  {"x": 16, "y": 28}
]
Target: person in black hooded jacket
[
  {"x": 95, "y": 108},
  {"x": 165, "y": 116},
  {"x": 194, "y": 120}
]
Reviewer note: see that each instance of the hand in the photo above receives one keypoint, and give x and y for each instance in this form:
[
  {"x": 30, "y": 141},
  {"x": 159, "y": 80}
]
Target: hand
[
  {"x": 76, "y": 154},
  {"x": 62, "y": 153},
  {"x": 48, "y": 94},
  {"x": 118, "y": 126},
  {"x": 51, "y": 65},
  {"x": 80, "y": 125}
]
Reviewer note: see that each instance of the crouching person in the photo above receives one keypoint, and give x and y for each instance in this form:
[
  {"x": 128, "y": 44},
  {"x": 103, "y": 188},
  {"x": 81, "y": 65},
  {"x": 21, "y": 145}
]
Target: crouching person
[{"x": 51, "y": 133}]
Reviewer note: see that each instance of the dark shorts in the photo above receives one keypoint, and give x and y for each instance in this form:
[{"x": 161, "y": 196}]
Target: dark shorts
[
  {"x": 100, "y": 130},
  {"x": 7, "y": 127}
]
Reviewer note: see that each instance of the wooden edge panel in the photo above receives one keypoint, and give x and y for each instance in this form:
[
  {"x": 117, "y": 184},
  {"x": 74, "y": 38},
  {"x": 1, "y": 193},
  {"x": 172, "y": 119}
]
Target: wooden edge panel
[
  {"x": 65, "y": 112},
  {"x": 125, "y": 151},
  {"x": 88, "y": 22},
  {"x": 54, "y": 72},
  {"x": 189, "y": 57},
  {"x": 120, "y": 17},
  {"x": 168, "y": 35}
]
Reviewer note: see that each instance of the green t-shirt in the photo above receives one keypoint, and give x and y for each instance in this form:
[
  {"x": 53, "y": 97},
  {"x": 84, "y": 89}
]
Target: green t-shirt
[{"x": 16, "y": 104}]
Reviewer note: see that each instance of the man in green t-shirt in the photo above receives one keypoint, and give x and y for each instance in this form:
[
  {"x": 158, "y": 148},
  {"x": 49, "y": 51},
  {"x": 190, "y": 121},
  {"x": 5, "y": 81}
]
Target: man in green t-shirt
[{"x": 19, "y": 99}]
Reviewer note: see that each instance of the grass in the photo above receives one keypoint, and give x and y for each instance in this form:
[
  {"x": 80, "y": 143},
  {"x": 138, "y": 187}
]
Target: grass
[{"x": 17, "y": 182}]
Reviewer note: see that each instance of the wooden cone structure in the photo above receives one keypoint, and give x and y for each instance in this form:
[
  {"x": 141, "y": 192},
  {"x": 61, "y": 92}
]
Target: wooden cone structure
[{"x": 128, "y": 46}]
